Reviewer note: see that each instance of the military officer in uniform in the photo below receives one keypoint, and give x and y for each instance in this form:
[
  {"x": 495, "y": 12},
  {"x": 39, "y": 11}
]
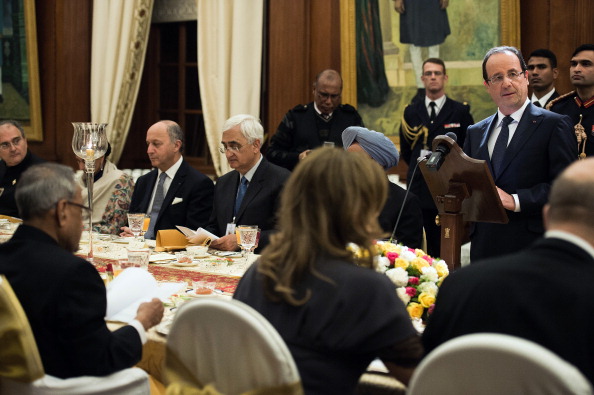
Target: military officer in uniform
[
  {"x": 306, "y": 127},
  {"x": 437, "y": 114},
  {"x": 579, "y": 104}
]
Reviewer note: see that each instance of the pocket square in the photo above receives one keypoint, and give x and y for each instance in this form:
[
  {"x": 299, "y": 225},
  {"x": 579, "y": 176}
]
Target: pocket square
[{"x": 177, "y": 200}]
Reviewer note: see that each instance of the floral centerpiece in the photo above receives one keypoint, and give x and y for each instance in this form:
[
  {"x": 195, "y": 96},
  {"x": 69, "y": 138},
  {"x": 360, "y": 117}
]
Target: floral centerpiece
[{"x": 416, "y": 275}]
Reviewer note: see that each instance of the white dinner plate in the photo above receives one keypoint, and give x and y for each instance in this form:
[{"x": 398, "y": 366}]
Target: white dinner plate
[{"x": 189, "y": 264}]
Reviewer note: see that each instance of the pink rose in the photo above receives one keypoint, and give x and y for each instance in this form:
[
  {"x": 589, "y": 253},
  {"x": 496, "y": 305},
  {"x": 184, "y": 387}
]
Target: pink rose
[
  {"x": 392, "y": 257},
  {"x": 410, "y": 291},
  {"x": 430, "y": 309},
  {"x": 413, "y": 280}
]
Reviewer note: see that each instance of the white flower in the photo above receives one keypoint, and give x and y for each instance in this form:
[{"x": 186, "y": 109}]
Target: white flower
[
  {"x": 408, "y": 255},
  {"x": 429, "y": 274},
  {"x": 382, "y": 263},
  {"x": 429, "y": 287},
  {"x": 398, "y": 275},
  {"x": 401, "y": 292}
]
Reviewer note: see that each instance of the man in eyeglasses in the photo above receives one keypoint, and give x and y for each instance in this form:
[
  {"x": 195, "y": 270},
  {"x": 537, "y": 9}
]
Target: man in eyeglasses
[
  {"x": 15, "y": 159},
  {"x": 579, "y": 104},
  {"x": 422, "y": 121},
  {"x": 525, "y": 148},
  {"x": 62, "y": 295},
  {"x": 250, "y": 193},
  {"x": 308, "y": 126}
]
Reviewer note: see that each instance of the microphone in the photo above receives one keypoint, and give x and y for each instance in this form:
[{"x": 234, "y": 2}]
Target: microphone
[{"x": 438, "y": 156}]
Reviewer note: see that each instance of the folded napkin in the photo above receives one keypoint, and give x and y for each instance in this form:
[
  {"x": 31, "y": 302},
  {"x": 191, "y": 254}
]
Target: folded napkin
[{"x": 170, "y": 239}]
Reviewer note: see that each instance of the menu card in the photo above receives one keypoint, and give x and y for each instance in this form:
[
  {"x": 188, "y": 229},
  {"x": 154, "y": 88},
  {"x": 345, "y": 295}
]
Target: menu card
[{"x": 133, "y": 287}]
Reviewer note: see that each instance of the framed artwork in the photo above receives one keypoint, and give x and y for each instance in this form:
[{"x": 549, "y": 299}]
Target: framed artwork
[
  {"x": 475, "y": 27},
  {"x": 19, "y": 93}
]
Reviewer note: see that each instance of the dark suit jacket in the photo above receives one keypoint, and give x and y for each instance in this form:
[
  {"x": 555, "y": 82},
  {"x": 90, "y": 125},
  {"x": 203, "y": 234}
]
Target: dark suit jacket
[
  {"x": 410, "y": 228},
  {"x": 194, "y": 188},
  {"x": 553, "y": 97},
  {"x": 543, "y": 293},
  {"x": 65, "y": 303},
  {"x": 542, "y": 146},
  {"x": 453, "y": 117},
  {"x": 298, "y": 132},
  {"x": 9, "y": 178},
  {"x": 259, "y": 203}
]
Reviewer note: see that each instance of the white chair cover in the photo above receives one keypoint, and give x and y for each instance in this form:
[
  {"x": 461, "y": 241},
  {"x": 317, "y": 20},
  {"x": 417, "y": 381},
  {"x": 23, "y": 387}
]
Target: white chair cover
[
  {"x": 132, "y": 381},
  {"x": 229, "y": 344},
  {"x": 491, "y": 363}
]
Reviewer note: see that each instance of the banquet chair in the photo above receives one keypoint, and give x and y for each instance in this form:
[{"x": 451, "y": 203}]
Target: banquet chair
[
  {"x": 493, "y": 363},
  {"x": 225, "y": 346},
  {"x": 21, "y": 369}
]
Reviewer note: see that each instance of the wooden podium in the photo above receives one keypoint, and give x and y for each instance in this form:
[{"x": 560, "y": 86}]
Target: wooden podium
[{"x": 463, "y": 190}]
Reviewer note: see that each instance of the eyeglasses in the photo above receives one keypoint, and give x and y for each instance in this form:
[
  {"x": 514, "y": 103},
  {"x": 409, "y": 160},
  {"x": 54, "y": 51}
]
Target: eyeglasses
[
  {"x": 231, "y": 147},
  {"x": 7, "y": 144},
  {"x": 430, "y": 73},
  {"x": 326, "y": 96},
  {"x": 512, "y": 75},
  {"x": 85, "y": 208}
]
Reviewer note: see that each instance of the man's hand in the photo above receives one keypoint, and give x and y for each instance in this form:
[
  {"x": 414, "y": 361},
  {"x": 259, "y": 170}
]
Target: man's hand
[
  {"x": 399, "y": 6},
  {"x": 304, "y": 154},
  {"x": 225, "y": 243},
  {"x": 126, "y": 232},
  {"x": 444, "y": 4},
  {"x": 506, "y": 199},
  {"x": 150, "y": 313}
]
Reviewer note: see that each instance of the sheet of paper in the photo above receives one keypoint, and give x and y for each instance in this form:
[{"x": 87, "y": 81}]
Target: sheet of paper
[
  {"x": 202, "y": 234},
  {"x": 133, "y": 287}
]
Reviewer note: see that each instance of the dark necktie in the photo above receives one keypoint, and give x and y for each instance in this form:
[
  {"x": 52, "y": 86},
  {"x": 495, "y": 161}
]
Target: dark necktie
[
  {"x": 537, "y": 104},
  {"x": 432, "y": 115},
  {"x": 157, "y": 203},
  {"x": 500, "y": 145},
  {"x": 240, "y": 194}
]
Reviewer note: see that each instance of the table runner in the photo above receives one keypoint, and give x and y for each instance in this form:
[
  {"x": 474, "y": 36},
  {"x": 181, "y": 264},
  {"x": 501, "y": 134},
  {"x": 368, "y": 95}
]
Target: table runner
[{"x": 226, "y": 284}]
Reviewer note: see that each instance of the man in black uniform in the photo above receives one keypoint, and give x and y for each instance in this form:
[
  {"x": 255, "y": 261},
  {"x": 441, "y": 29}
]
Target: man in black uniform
[
  {"x": 15, "y": 158},
  {"x": 422, "y": 122},
  {"x": 579, "y": 104},
  {"x": 306, "y": 127}
]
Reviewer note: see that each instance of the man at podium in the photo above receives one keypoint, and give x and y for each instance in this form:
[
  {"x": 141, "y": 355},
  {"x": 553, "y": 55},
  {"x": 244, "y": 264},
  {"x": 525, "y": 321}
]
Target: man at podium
[{"x": 525, "y": 148}]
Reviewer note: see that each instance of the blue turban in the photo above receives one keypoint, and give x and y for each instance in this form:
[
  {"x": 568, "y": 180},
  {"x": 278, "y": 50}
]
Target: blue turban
[{"x": 378, "y": 146}]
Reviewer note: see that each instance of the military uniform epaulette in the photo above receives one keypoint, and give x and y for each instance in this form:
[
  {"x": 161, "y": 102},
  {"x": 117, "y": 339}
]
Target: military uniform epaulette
[
  {"x": 300, "y": 107},
  {"x": 558, "y": 99},
  {"x": 347, "y": 108}
]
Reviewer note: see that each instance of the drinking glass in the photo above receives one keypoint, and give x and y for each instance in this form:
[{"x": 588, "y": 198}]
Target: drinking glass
[
  {"x": 135, "y": 222},
  {"x": 248, "y": 237}
]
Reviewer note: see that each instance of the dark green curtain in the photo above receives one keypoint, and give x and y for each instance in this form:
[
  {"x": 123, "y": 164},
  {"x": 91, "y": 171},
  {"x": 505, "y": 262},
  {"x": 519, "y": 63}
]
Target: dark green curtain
[{"x": 372, "y": 84}]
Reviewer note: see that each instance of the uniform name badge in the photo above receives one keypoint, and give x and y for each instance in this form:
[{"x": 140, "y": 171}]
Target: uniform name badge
[
  {"x": 230, "y": 229},
  {"x": 424, "y": 153}
]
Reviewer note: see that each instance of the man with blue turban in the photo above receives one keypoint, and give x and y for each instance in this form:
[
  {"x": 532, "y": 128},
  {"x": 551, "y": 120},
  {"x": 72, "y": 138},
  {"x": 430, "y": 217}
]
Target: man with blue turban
[{"x": 409, "y": 230}]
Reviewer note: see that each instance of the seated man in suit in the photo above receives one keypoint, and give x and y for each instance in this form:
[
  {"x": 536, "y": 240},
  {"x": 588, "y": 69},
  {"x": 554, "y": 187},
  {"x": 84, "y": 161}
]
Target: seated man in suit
[
  {"x": 516, "y": 294},
  {"x": 405, "y": 222},
  {"x": 174, "y": 193},
  {"x": 306, "y": 127},
  {"x": 249, "y": 194},
  {"x": 15, "y": 158},
  {"x": 62, "y": 295}
]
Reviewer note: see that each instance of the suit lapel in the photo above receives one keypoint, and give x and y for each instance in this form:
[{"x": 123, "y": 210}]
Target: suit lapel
[
  {"x": 148, "y": 193},
  {"x": 526, "y": 128}
]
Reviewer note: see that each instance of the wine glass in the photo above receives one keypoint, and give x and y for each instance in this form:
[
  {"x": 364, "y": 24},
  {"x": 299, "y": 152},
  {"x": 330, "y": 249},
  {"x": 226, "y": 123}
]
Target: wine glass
[
  {"x": 136, "y": 222},
  {"x": 89, "y": 143},
  {"x": 248, "y": 237}
]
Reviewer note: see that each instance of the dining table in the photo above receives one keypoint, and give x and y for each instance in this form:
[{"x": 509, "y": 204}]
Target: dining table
[{"x": 223, "y": 268}]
